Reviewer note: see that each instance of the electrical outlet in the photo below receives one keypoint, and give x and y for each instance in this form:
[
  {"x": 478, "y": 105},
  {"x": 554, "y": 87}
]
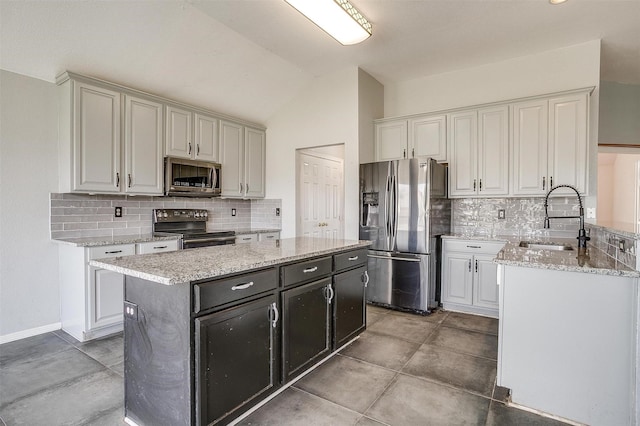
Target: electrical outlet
[
  {"x": 130, "y": 310},
  {"x": 277, "y": 211},
  {"x": 118, "y": 212},
  {"x": 501, "y": 214},
  {"x": 233, "y": 212},
  {"x": 622, "y": 245},
  {"x": 591, "y": 212}
]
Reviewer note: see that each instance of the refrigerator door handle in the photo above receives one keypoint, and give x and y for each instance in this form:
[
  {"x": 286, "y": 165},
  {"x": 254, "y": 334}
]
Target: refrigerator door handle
[
  {"x": 386, "y": 204},
  {"x": 404, "y": 259}
]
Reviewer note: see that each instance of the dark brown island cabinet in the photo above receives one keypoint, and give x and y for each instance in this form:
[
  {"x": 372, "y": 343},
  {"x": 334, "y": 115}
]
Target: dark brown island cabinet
[{"x": 206, "y": 352}]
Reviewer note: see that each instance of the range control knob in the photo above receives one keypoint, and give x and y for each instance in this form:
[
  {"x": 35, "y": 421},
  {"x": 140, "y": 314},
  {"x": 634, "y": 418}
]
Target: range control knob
[
  {"x": 196, "y": 214},
  {"x": 205, "y": 213},
  {"x": 165, "y": 214}
]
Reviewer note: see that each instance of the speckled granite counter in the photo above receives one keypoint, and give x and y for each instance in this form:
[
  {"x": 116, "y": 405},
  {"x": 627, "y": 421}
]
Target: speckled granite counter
[
  {"x": 118, "y": 239},
  {"x": 255, "y": 231},
  {"x": 595, "y": 261},
  {"x": 208, "y": 262}
]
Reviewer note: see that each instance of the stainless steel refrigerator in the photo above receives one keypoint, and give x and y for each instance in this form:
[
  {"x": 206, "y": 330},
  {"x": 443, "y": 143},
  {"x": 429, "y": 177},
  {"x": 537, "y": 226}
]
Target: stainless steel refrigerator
[{"x": 404, "y": 210}]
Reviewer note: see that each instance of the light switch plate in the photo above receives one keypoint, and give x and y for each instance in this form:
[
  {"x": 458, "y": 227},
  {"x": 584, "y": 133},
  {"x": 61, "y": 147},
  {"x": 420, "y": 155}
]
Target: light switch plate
[
  {"x": 233, "y": 212},
  {"x": 501, "y": 214}
]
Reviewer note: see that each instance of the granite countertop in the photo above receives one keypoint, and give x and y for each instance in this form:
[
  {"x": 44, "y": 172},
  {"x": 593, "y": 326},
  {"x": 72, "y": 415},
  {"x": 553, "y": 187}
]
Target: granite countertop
[
  {"x": 595, "y": 261},
  {"x": 117, "y": 239},
  {"x": 208, "y": 262}
]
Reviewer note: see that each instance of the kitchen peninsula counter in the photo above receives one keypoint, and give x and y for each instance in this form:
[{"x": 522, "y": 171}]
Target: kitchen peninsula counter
[{"x": 210, "y": 262}]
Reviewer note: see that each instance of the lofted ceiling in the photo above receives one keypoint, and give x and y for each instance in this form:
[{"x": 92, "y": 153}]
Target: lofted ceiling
[{"x": 249, "y": 57}]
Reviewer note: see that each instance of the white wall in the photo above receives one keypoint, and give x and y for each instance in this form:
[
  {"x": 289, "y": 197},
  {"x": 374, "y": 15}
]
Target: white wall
[
  {"x": 370, "y": 107},
  {"x": 624, "y": 189},
  {"x": 29, "y": 291},
  {"x": 619, "y": 113},
  {"x": 324, "y": 113},
  {"x": 604, "y": 211}
]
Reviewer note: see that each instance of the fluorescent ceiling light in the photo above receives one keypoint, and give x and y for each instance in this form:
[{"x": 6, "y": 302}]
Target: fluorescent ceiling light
[{"x": 338, "y": 18}]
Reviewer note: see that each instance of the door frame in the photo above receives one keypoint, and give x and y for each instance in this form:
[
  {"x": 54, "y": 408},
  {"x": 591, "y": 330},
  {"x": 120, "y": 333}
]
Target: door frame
[{"x": 310, "y": 151}]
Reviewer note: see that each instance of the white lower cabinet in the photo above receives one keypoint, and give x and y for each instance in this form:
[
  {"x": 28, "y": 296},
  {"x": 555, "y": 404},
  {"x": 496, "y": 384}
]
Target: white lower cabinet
[
  {"x": 265, "y": 236},
  {"x": 469, "y": 276},
  {"x": 91, "y": 298},
  {"x": 246, "y": 238}
]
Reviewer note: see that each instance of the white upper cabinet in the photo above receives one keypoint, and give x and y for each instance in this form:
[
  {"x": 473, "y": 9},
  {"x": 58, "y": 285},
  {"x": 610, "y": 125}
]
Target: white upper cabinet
[
  {"x": 206, "y": 138},
  {"x": 479, "y": 152},
  {"x": 550, "y": 144},
  {"x": 417, "y": 136},
  {"x": 95, "y": 139},
  {"x": 463, "y": 153},
  {"x": 179, "y": 141},
  {"x": 143, "y": 146},
  {"x": 568, "y": 142},
  {"x": 428, "y": 137},
  {"x": 391, "y": 140},
  {"x": 254, "y": 153},
  {"x": 232, "y": 159},
  {"x": 493, "y": 151}
]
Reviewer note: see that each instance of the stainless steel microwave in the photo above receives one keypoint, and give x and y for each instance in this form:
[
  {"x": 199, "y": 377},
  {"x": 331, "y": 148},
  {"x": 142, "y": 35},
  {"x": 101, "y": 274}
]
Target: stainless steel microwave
[{"x": 189, "y": 178}]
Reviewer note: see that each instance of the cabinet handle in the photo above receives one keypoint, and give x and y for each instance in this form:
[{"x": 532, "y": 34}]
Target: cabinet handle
[
  {"x": 247, "y": 186},
  {"x": 276, "y": 315},
  {"x": 480, "y": 184},
  {"x": 404, "y": 153},
  {"x": 366, "y": 280},
  {"x": 351, "y": 259},
  {"x": 544, "y": 183},
  {"x": 551, "y": 182},
  {"x": 474, "y": 246},
  {"x": 413, "y": 152},
  {"x": 118, "y": 180},
  {"x": 160, "y": 247},
  {"x": 476, "y": 265},
  {"x": 113, "y": 252},
  {"x": 469, "y": 265},
  {"x": 246, "y": 239},
  {"x": 189, "y": 148},
  {"x": 241, "y": 187},
  {"x": 330, "y": 298},
  {"x": 197, "y": 149},
  {"x": 242, "y": 286},
  {"x": 269, "y": 236},
  {"x": 315, "y": 268},
  {"x": 474, "y": 184},
  {"x": 129, "y": 180}
]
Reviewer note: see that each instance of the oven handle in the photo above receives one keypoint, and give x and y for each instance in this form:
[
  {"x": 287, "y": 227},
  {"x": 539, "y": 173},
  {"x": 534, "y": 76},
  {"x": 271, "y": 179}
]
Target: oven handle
[{"x": 206, "y": 240}]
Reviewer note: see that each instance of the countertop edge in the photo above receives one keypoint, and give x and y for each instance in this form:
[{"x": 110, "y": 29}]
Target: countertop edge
[{"x": 101, "y": 241}]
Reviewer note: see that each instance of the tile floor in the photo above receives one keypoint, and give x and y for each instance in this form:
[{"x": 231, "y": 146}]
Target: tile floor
[{"x": 404, "y": 370}]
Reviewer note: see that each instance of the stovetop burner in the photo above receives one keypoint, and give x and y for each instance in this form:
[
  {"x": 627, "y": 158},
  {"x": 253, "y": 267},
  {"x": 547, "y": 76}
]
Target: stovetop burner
[{"x": 192, "y": 225}]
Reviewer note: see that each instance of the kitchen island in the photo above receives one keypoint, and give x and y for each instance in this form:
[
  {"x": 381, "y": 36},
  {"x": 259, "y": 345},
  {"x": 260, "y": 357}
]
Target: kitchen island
[
  {"x": 568, "y": 332},
  {"x": 211, "y": 332}
]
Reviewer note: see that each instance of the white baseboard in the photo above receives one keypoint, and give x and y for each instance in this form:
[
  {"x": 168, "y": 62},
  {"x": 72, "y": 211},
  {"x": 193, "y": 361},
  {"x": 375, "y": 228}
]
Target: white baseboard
[{"x": 30, "y": 332}]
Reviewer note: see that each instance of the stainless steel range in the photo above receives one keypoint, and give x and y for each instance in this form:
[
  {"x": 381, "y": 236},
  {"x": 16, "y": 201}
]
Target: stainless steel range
[{"x": 192, "y": 225}]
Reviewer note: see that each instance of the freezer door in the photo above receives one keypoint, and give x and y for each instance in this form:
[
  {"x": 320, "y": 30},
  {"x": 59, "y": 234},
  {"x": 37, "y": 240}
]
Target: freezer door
[
  {"x": 375, "y": 202},
  {"x": 411, "y": 188},
  {"x": 400, "y": 280}
]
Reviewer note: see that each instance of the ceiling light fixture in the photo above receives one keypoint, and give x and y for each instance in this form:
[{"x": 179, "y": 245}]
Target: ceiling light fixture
[
  {"x": 556, "y": 1},
  {"x": 338, "y": 18}
]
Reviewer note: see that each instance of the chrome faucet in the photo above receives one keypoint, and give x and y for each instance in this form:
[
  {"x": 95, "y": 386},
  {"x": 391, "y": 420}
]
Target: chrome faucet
[{"x": 582, "y": 234}]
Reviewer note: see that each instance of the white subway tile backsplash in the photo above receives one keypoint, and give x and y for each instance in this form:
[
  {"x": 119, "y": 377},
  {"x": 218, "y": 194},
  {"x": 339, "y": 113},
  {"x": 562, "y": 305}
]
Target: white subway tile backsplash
[{"x": 78, "y": 215}]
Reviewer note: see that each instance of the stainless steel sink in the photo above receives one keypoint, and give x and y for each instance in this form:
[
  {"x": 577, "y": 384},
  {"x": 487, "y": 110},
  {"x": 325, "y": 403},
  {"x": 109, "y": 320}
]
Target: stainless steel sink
[{"x": 545, "y": 246}]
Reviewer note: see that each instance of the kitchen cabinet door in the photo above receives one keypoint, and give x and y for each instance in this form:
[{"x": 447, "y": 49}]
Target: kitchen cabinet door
[
  {"x": 179, "y": 133},
  {"x": 246, "y": 238},
  {"x": 463, "y": 153},
  {"x": 254, "y": 162},
  {"x": 143, "y": 147},
  {"x": 391, "y": 140},
  {"x": 207, "y": 145},
  {"x": 349, "y": 305},
  {"x": 529, "y": 148},
  {"x": 96, "y": 139},
  {"x": 236, "y": 359},
  {"x": 485, "y": 282},
  {"x": 106, "y": 295},
  {"x": 493, "y": 151},
  {"x": 567, "y": 161},
  {"x": 232, "y": 159},
  {"x": 457, "y": 278},
  {"x": 428, "y": 137},
  {"x": 305, "y": 326}
]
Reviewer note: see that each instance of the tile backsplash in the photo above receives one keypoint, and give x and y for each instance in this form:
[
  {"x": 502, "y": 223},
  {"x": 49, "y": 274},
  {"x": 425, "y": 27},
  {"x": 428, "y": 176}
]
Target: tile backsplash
[
  {"x": 523, "y": 216},
  {"x": 619, "y": 247},
  {"x": 79, "y": 215}
]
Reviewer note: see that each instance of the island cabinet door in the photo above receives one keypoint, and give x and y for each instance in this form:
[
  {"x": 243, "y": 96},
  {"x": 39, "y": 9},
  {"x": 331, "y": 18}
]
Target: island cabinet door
[
  {"x": 349, "y": 305},
  {"x": 305, "y": 326},
  {"x": 236, "y": 359}
]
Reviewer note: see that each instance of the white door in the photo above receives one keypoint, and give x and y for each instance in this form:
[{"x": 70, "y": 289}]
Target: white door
[
  {"x": 143, "y": 146},
  {"x": 206, "y": 138},
  {"x": 320, "y": 197},
  {"x": 529, "y": 139},
  {"x": 493, "y": 151},
  {"x": 463, "y": 153},
  {"x": 254, "y": 162},
  {"x": 232, "y": 159},
  {"x": 178, "y": 139},
  {"x": 96, "y": 139}
]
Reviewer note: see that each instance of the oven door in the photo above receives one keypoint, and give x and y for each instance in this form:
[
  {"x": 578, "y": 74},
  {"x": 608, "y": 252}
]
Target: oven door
[{"x": 187, "y": 178}]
